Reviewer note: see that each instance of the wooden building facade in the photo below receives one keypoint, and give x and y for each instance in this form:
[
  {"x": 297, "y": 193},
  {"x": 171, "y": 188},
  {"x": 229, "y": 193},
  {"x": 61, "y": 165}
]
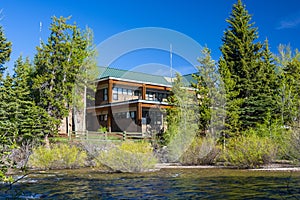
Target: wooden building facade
[{"x": 128, "y": 101}]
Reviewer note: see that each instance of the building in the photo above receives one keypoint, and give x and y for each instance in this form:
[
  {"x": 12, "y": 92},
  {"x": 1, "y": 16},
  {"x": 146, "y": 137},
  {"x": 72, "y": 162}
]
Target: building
[{"x": 128, "y": 101}]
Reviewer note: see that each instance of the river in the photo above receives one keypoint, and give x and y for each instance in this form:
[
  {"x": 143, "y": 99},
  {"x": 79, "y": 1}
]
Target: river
[{"x": 163, "y": 184}]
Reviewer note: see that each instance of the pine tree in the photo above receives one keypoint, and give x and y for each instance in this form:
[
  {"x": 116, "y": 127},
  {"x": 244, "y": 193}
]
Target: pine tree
[
  {"x": 88, "y": 72},
  {"x": 28, "y": 120},
  {"x": 181, "y": 119},
  {"x": 209, "y": 93},
  {"x": 268, "y": 86},
  {"x": 5, "y": 50},
  {"x": 7, "y": 128},
  {"x": 58, "y": 63},
  {"x": 289, "y": 69},
  {"x": 292, "y": 74},
  {"x": 239, "y": 68},
  {"x": 174, "y": 114},
  {"x": 8, "y": 112}
]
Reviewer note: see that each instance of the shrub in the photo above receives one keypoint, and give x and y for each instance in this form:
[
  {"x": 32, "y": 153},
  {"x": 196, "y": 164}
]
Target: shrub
[
  {"x": 128, "y": 157},
  {"x": 58, "y": 156},
  {"x": 250, "y": 151},
  {"x": 277, "y": 133},
  {"x": 294, "y": 141},
  {"x": 202, "y": 151},
  {"x": 93, "y": 149}
]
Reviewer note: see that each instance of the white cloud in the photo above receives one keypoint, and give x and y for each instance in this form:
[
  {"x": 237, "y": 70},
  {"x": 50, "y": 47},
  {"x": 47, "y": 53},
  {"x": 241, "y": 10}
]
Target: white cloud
[{"x": 291, "y": 21}]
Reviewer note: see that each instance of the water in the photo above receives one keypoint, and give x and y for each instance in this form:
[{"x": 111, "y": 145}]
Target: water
[{"x": 164, "y": 184}]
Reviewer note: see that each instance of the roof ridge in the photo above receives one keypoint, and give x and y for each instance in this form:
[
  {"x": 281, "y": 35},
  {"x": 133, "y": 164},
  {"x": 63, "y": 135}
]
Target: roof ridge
[{"x": 137, "y": 72}]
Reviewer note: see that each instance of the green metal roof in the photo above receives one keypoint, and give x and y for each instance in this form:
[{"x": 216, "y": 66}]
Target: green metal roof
[
  {"x": 132, "y": 75},
  {"x": 106, "y": 72},
  {"x": 188, "y": 78}
]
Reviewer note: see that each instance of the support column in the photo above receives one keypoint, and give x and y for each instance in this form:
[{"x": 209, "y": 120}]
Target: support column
[
  {"x": 109, "y": 90},
  {"x": 109, "y": 119},
  {"x": 144, "y": 92},
  {"x": 139, "y": 117}
]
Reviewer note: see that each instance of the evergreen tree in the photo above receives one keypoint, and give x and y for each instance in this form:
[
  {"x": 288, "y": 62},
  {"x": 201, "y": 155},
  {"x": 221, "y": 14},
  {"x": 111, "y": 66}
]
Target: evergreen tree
[
  {"x": 28, "y": 119},
  {"x": 268, "y": 86},
  {"x": 241, "y": 67},
  {"x": 58, "y": 64},
  {"x": 181, "y": 119},
  {"x": 8, "y": 112},
  {"x": 88, "y": 72},
  {"x": 5, "y": 50},
  {"x": 174, "y": 114},
  {"x": 7, "y": 127},
  {"x": 289, "y": 70},
  {"x": 209, "y": 93},
  {"x": 292, "y": 76}
]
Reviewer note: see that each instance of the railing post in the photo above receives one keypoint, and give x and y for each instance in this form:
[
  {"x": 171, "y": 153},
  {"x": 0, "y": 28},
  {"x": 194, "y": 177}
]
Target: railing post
[
  {"x": 70, "y": 136},
  {"x": 87, "y": 135},
  {"x": 105, "y": 134}
]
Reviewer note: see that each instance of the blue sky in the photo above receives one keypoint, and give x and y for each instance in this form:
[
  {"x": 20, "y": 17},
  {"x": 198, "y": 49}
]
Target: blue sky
[{"x": 200, "y": 20}]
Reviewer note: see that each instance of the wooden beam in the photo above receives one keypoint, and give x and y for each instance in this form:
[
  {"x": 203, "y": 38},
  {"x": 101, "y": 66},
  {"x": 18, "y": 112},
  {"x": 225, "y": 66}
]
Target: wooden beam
[
  {"x": 144, "y": 92},
  {"x": 109, "y": 91},
  {"x": 109, "y": 120},
  {"x": 158, "y": 87},
  {"x": 148, "y": 105},
  {"x": 125, "y": 83},
  {"x": 139, "y": 117}
]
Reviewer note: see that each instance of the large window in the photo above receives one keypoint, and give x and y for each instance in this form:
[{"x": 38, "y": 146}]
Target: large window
[
  {"x": 125, "y": 92},
  {"x": 105, "y": 96},
  {"x": 125, "y": 115},
  {"x": 137, "y": 93},
  {"x": 115, "y": 93},
  {"x": 156, "y": 96},
  {"x": 102, "y": 118},
  {"x": 151, "y": 117}
]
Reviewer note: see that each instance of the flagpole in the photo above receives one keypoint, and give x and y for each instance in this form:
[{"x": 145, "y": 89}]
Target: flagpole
[
  {"x": 171, "y": 64},
  {"x": 41, "y": 34}
]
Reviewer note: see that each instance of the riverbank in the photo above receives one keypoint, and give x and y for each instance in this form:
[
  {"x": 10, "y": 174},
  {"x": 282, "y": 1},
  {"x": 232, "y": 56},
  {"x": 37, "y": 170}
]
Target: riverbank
[{"x": 270, "y": 167}]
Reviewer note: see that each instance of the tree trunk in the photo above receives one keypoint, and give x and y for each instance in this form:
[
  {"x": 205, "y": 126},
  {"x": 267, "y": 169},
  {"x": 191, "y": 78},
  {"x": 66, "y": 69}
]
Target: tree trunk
[{"x": 47, "y": 143}]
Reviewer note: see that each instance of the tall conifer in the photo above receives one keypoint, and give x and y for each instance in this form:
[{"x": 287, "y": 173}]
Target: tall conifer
[
  {"x": 242, "y": 71},
  {"x": 5, "y": 50},
  {"x": 58, "y": 64},
  {"x": 29, "y": 117}
]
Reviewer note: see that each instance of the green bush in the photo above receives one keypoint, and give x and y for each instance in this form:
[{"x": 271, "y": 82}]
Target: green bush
[
  {"x": 250, "y": 151},
  {"x": 58, "y": 156},
  {"x": 128, "y": 157},
  {"x": 294, "y": 142},
  {"x": 202, "y": 151},
  {"x": 276, "y": 132}
]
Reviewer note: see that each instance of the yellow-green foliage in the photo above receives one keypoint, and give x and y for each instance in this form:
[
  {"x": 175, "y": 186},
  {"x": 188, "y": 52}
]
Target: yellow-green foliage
[
  {"x": 59, "y": 156},
  {"x": 128, "y": 157},
  {"x": 203, "y": 150},
  {"x": 5, "y": 178},
  {"x": 250, "y": 151},
  {"x": 136, "y": 147},
  {"x": 294, "y": 145}
]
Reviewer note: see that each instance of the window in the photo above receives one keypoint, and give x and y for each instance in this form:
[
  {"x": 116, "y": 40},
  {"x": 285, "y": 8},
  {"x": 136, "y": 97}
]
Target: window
[
  {"x": 115, "y": 93},
  {"x": 119, "y": 90},
  {"x": 156, "y": 96},
  {"x": 105, "y": 97},
  {"x": 102, "y": 118},
  {"x": 132, "y": 114},
  {"x": 129, "y": 92},
  {"x": 137, "y": 93}
]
